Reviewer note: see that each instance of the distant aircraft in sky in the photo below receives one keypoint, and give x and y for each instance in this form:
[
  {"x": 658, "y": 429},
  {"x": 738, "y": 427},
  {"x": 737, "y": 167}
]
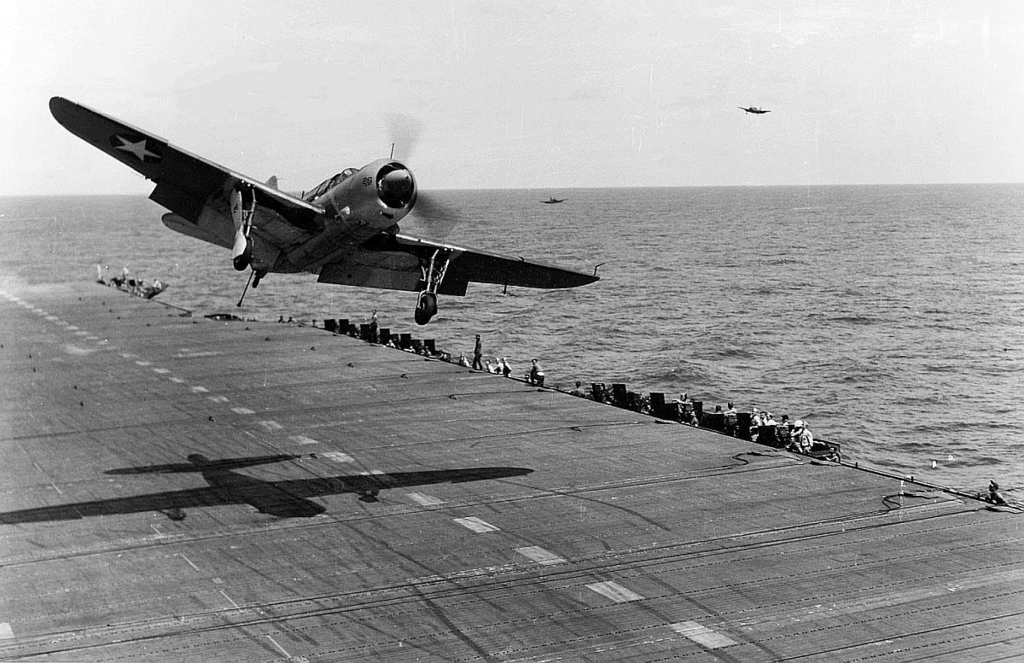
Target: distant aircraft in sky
[
  {"x": 754, "y": 109},
  {"x": 345, "y": 230},
  {"x": 552, "y": 201}
]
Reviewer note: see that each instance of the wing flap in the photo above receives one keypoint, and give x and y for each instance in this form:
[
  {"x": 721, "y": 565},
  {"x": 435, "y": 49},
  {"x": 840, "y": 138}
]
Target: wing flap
[
  {"x": 388, "y": 270},
  {"x": 471, "y": 265},
  {"x": 186, "y": 227}
]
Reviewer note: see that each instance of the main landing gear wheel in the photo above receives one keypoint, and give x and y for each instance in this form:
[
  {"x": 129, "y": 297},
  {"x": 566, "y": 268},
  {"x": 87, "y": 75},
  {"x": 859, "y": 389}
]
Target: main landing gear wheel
[
  {"x": 244, "y": 259},
  {"x": 426, "y": 307}
]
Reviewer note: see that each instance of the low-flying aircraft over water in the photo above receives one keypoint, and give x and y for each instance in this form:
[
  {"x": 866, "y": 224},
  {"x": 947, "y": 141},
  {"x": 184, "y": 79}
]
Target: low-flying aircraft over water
[
  {"x": 345, "y": 230},
  {"x": 553, "y": 201},
  {"x": 754, "y": 110}
]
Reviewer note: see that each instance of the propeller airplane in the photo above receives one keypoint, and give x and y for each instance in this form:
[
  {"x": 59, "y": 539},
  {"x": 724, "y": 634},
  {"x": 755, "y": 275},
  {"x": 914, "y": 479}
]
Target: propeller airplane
[
  {"x": 345, "y": 230},
  {"x": 754, "y": 110}
]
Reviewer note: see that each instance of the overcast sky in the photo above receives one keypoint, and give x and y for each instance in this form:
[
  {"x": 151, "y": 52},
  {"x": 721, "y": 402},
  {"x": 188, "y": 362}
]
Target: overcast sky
[{"x": 524, "y": 94}]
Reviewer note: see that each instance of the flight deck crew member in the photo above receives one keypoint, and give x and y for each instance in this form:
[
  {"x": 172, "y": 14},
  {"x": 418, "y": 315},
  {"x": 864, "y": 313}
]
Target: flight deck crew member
[
  {"x": 478, "y": 354},
  {"x": 730, "y": 420},
  {"x": 374, "y": 338},
  {"x": 536, "y": 375},
  {"x": 802, "y": 438}
]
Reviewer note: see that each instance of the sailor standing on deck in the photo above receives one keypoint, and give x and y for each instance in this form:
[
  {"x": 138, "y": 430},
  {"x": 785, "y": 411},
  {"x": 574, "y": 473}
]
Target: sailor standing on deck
[
  {"x": 536, "y": 375},
  {"x": 478, "y": 354},
  {"x": 730, "y": 420},
  {"x": 374, "y": 338},
  {"x": 803, "y": 441}
]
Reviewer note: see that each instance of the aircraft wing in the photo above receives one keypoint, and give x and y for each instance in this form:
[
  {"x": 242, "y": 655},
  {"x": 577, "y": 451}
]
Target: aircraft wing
[
  {"x": 393, "y": 261},
  {"x": 186, "y": 183}
]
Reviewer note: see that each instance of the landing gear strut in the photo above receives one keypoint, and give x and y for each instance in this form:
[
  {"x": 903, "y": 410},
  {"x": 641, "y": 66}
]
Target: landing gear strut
[{"x": 433, "y": 274}]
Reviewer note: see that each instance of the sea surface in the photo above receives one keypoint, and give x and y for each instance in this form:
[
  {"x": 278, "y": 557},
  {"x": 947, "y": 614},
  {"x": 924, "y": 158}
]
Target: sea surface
[{"x": 891, "y": 318}]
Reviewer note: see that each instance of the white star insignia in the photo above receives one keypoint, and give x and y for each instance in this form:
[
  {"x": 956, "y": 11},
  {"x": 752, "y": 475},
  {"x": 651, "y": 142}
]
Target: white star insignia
[{"x": 137, "y": 149}]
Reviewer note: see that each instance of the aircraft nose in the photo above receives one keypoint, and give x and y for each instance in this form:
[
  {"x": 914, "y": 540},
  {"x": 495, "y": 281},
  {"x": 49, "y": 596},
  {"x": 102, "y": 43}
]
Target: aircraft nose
[{"x": 395, "y": 186}]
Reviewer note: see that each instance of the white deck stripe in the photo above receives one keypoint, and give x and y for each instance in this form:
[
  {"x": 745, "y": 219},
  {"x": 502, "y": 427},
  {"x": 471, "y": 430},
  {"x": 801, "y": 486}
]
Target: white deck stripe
[
  {"x": 615, "y": 592},
  {"x": 271, "y": 425},
  {"x": 242, "y": 410},
  {"x": 338, "y": 457},
  {"x": 302, "y": 439},
  {"x": 476, "y": 524},
  {"x": 702, "y": 635},
  {"x": 6, "y": 632},
  {"x": 541, "y": 556},
  {"x": 425, "y": 500}
]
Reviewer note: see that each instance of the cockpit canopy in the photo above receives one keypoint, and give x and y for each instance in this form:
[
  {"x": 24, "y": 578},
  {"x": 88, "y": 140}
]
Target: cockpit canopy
[{"x": 328, "y": 184}]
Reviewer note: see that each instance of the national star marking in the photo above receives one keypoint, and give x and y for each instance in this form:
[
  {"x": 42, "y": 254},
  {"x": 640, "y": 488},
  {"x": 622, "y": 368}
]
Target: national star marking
[{"x": 138, "y": 149}]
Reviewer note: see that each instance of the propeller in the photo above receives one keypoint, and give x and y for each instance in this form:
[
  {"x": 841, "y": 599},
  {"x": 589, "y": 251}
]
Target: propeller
[
  {"x": 431, "y": 216},
  {"x": 404, "y": 132}
]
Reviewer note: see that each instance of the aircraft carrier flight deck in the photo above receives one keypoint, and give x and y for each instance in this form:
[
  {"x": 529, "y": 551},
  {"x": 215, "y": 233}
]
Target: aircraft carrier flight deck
[{"x": 179, "y": 488}]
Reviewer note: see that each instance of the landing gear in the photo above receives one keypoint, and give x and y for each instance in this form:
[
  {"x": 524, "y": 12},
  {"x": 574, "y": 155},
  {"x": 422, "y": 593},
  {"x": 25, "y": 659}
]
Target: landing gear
[
  {"x": 242, "y": 260},
  {"x": 243, "y": 208},
  {"x": 433, "y": 274},
  {"x": 426, "y": 307}
]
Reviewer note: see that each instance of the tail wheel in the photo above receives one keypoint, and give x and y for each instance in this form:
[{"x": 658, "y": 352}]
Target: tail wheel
[{"x": 426, "y": 307}]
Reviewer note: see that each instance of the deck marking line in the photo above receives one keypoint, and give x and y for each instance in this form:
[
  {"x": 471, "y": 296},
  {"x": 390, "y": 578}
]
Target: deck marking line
[
  {"x": 302, "y": 439},
  {"x": 161, "y": 371},
  {"x": 242, "y": 410},
  {"x": 476, "y": 524},
  {"x": 200, "y": 390},
  {"x": 271, "y": 425},
  {"x": 143, "y": 362},
  {"x": 218, "y": 399},
  {"x": 702, "y": 635},
  {"x": 238, "y": 607},
  {"x": 338, "y": 457},
  {"x": 541, "y": 556},
  {"x": 615, "y": 591},
  {"x": 189, "y": 562},
  {"x": 6, "y": 632},
  {"x": 425, "y": 500},
  {"x": 283, "y": 651},
  {"x": 177, "y": 380}
]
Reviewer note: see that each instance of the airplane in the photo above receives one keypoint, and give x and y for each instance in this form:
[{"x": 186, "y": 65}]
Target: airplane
[
  {"x": 754, "y": 110},
  {"x": 345, "y": 230},
  {"x": 552, "y": 201}
]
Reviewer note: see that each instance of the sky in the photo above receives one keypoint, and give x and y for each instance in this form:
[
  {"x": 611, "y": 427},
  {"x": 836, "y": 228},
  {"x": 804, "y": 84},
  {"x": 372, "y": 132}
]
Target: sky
[{"x": 523, "y": 94}]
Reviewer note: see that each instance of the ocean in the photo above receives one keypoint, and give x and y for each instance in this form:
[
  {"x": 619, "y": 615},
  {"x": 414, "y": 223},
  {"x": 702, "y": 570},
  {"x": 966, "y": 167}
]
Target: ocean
[{"x": 888, "y": 317}]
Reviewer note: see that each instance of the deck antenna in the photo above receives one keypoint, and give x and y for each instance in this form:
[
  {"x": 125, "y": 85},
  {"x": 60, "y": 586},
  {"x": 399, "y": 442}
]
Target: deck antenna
[
  {"x": 392, "y": 150},
  {"x": 246, "y": 288}
]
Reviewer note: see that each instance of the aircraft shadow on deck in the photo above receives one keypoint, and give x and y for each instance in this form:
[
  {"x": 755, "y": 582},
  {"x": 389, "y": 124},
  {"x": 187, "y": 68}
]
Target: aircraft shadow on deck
[{"x": 283, "y": 499}]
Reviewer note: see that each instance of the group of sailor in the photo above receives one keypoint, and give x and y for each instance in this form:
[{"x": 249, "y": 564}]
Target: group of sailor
[
  {"x": 126, "y": 283},
  {"x": 763, "y": 427}
]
